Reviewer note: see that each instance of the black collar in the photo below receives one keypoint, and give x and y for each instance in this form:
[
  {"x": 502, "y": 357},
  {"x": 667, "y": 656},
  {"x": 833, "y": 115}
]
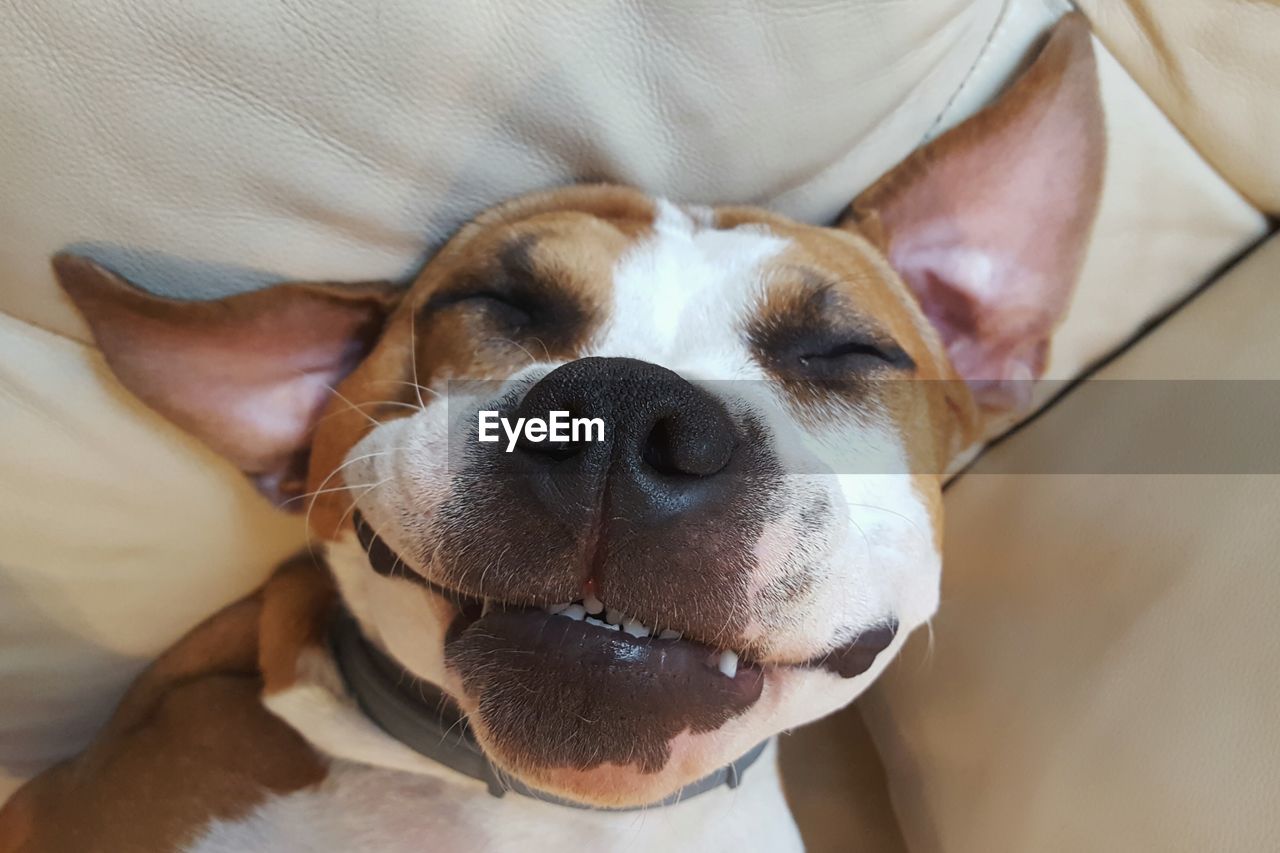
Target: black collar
[{"x": 423, "y": 718}]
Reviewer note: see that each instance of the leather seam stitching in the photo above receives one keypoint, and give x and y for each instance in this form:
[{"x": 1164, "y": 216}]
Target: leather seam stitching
[{"x": 983, "y": 54}]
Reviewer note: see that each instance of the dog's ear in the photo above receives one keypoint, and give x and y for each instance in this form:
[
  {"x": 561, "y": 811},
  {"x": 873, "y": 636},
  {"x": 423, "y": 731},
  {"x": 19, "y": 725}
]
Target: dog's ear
[
  {"x": 988, "y": 223},
  {"x": 247, "y": 374}
]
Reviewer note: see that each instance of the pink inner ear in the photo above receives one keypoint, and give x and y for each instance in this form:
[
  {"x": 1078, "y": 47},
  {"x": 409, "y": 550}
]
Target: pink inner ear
[
  {"x": 994, "y": 314},
  {"x": 254, "y": 391},
  {"x": 248, "y": 374},
  {"x": 989, "y": 223}
]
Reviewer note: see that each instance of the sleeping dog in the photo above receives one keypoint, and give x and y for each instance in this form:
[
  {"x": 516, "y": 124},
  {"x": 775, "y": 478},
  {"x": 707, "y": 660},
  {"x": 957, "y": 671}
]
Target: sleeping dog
[{"x": 516, "y": 644}]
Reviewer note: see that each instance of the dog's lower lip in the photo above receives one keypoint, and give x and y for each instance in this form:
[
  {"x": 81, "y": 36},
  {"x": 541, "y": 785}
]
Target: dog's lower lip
[
  {"x": 626, "y": 644},
  {"x": 545, "y": 691},
  {"x": 591, "y": 648}
]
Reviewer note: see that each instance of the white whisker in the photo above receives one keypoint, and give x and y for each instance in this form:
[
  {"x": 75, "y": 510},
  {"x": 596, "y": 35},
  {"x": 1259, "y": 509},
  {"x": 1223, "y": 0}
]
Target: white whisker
[
  {"x": 413, "y": 356},
  {"x": 359, "y": 406},
  {"x": 344, "y": 399},
  {"x": 420, "y": 388}
]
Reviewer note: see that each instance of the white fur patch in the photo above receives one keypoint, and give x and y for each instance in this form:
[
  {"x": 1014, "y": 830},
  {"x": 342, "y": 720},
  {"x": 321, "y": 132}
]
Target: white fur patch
[
  {"x": 368, "y": 808},
  {"x": 318, "y": 707},
  {"x": 681, "y": 297}
]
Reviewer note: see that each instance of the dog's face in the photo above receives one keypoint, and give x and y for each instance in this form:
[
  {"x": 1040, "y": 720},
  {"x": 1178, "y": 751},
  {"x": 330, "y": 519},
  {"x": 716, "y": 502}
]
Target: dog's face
[
  {"x": 755, "y": 529},
  {"x": 743, "y": 366}
]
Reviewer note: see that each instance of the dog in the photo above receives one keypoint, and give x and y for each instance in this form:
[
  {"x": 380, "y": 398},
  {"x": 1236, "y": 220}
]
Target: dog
[{"x": 556, "y": 640}]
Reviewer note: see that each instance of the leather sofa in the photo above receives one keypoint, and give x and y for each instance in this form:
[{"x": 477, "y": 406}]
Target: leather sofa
[{"x": 1101, "y": 674}]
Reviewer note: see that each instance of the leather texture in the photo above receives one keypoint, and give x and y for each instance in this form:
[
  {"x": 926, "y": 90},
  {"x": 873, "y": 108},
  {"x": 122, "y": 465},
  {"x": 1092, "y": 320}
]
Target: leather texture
[
  {"x": 118, "y": 533},
  {"x": 209, "y": 149},
  {"x": 314, "y": 140},
  {"x": 1211, "y": 66},
  {"x": 1102, "y": 673},
  {"x": 836, "y": 787}
]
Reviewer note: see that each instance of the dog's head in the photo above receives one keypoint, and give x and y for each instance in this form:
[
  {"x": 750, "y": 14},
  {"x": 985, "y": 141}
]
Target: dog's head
[{"x": 755, "y": 528}]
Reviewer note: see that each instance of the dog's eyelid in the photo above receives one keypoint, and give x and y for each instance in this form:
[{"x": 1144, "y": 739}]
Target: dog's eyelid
[
  {"x": 823, "y": 344},
  {"x": 836, "y": 346},
  {"x": 517, "y": 300}
]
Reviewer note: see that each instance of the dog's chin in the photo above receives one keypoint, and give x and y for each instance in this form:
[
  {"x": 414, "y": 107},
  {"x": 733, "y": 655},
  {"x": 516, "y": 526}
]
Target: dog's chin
[
  {"x": 612, "y": 786},
  {"x": 593, "y": 714}
]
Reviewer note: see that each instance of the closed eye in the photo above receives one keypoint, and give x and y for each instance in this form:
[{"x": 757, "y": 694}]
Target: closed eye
[
  {"x": 508, "y": 308},
  {"x": 843, "y": 355},
  {"x": 814, "y": 331}
]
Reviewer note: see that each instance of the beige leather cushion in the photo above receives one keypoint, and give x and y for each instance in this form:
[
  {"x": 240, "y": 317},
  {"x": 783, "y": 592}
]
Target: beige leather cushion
[
  {"x": 836, "y": 788},
  {"x": 1103, "y": 670},
  {"x": 343, "y": 140},
  {"x": 281, "y": 140},
  {"x": 1211, "y": 65},
  {"x": 118, "y": 532},
  {"x": 261, "y": 141}
]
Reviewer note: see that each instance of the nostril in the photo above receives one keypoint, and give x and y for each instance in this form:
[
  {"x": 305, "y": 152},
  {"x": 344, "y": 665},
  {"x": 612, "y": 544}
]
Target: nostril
[
  {"x": 695, "y": 449},
  {"x": 657, "y": 449}
]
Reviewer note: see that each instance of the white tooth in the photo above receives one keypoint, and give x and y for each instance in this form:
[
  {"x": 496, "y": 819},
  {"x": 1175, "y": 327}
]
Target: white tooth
[
  {"x": 593, "y": 605},
  {"x": 614, "y": 616},
  {"x": 574, "y": 611},
  {"x": 668, "y": 634},
  {"x": 485, "y": 609},
  {"x": 635, "y": 629},
  {"x": 729, "y": 663},
  {"x": 594, "y": 621},
  {"x": 613, "y": 627}
]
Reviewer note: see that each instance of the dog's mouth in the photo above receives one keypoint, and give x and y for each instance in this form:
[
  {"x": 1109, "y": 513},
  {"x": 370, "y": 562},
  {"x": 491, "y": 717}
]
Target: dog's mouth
[
  {"x": 584, "y": 624},
  {"x": 615, "y": 651},
  {"x": 531, "y": 673}
]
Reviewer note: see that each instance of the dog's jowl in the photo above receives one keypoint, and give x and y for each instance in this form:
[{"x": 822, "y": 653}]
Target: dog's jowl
[{"x": 736, "y": 541}]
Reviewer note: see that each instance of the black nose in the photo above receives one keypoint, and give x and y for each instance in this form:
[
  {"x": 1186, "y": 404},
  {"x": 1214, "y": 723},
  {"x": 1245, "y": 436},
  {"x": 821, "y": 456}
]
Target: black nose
[{"x": 665, "y": 438}]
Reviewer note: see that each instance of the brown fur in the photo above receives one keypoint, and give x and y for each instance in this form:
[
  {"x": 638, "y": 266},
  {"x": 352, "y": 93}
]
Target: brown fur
[{"x": 191, "y": 741}]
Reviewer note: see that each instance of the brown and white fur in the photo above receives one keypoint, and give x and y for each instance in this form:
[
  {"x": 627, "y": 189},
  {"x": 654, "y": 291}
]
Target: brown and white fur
[{"x": 894, "y": 337}]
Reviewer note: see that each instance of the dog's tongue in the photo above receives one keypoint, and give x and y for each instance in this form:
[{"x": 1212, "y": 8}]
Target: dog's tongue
[{"x": 565, "y": 693}]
